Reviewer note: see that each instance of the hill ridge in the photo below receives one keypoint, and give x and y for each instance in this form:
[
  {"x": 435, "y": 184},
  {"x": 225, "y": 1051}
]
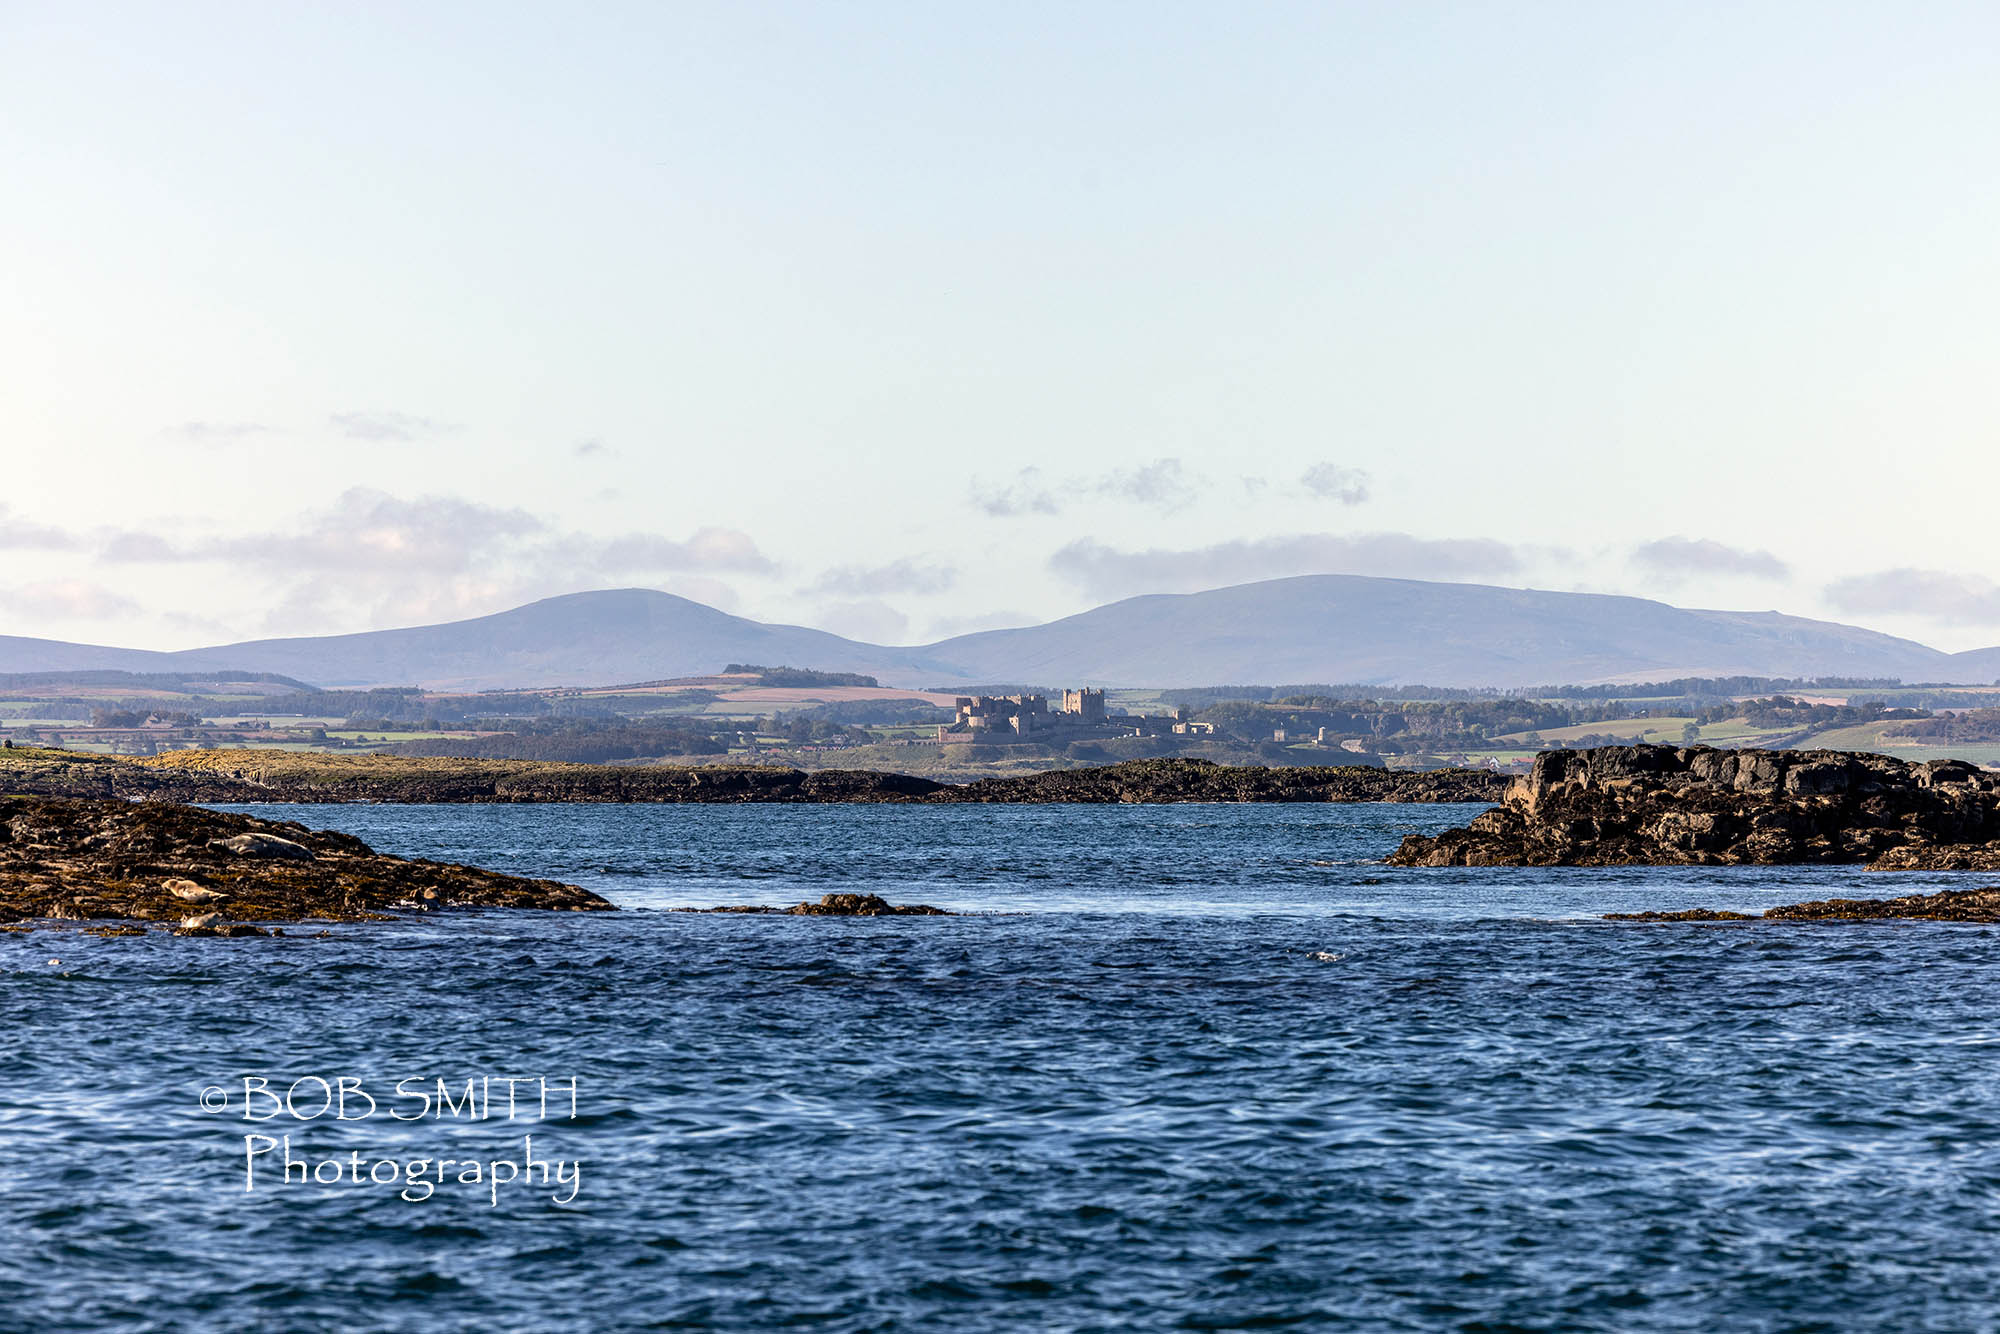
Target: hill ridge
[{"x": 1355, "y": 628}]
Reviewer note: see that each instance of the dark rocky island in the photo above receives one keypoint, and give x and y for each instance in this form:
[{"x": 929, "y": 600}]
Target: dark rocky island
[
  {"x": 1667, "y": 806},
  {"x": 207, "y": 873},
  {"x": 265, "y": 776}
]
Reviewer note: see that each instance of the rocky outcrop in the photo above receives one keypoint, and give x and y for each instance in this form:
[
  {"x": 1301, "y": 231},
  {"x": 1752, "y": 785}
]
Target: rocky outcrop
[
  {"x": 1142, "y": 781},
  {"x": 256, "y": 776},
  {"x": 1951, "y": 905},
  {"x": 1662, "y": 806},
  {"x": 210, "y": 873},
  {"x": 834, "y": 905}
]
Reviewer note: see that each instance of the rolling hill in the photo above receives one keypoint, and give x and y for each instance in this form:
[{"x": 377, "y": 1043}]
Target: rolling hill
[{"x": 1333, "y": 628}]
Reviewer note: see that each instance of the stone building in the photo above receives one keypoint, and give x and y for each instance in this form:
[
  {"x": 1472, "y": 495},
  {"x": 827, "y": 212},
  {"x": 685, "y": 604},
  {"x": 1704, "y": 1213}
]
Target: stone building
[{"x": 1025, "y": 715}]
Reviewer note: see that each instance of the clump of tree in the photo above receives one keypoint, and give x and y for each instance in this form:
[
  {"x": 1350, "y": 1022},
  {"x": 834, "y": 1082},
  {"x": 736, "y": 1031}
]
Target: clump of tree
[
  {"x": 571, "y": 743},
  {"x": 1393, "y": 727},
  {"x": 1786, "y": 711},
  {"x": 803, "y": 729},
  {"x": 873, "y": 713},
  {"x": 796, "y": 677},
  {"x": 1970, "y": 725}
]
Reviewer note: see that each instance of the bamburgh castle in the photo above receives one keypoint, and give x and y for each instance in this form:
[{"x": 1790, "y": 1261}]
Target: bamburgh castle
[{"x": 1025, "y": 715}]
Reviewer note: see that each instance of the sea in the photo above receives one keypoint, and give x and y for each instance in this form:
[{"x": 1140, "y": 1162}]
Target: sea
[{"x": 1192, "y": 1067}]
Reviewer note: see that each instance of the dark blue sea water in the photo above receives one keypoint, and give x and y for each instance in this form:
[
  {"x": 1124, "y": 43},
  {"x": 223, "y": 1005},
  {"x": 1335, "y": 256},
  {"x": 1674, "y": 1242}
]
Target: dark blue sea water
[{"x": 1193, "y": 1067}]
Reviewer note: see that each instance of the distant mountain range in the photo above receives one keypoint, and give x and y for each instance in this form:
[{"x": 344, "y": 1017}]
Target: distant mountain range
[{"x": 1329, "y": 628}]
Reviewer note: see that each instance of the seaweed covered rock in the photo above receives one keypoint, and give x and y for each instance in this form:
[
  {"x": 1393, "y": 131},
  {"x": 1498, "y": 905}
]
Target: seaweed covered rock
[
  {"x": 1951, "y": 905},
  {"x": 1662, "y": 806},
  {"x": 833, "y": 905},
  {"x": 209, "y": 873}
]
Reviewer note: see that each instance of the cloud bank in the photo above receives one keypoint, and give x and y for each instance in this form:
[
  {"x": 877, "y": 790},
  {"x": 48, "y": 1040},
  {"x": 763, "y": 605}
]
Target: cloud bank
[
  {"x": 375, "y": 558},
  {"x": 1105, "y": 572}
]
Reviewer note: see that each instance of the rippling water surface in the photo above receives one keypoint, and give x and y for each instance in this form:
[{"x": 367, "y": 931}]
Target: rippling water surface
[{"x": 1196, "y": 1067}]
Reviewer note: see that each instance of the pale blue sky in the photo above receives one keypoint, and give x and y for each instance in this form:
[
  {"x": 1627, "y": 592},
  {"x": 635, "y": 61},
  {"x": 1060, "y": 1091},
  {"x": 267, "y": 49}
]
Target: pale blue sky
[{"x": 899, "y": 319}]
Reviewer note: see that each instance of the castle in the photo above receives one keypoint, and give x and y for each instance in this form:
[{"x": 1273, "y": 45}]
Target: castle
[{"x": 1025, "y": 715}]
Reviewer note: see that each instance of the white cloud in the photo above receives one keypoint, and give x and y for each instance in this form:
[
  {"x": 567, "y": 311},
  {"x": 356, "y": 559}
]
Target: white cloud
[
  {"x": 218, "y": 433},
  {"x": 1025, "y": 494},
  {"x": 1162, "y": 484},
  {"x": 19, "y": 534},
  {"x": 68, "y": 600},
  {"x": 387, "y": 426},
  {"x": 1676, "y": 558},
  {"x": 907, "y": 575},
  {"x": 1331, "y": 481}
]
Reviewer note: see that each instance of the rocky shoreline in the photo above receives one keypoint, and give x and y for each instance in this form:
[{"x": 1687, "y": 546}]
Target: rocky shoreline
[
  {"x": 256, "y": 776},
  {"x": 1694, "y": 806},
  {"x": 199, "y": 872}
]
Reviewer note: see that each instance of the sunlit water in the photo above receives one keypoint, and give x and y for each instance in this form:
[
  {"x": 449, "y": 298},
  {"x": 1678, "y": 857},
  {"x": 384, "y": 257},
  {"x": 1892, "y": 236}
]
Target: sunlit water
[{"x": 1201, "y": 1067}]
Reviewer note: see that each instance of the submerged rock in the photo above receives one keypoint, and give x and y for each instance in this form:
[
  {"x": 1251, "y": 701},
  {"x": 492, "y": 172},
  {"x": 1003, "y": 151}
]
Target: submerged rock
[
  {"x": 1684, "y": 915},
  {"x": 1661, "y": 806},
  {"x": 835, "y": 905},
  {"x": 863, "y": 905}
]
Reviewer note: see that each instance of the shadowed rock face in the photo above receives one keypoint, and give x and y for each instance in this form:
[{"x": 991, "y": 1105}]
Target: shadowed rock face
[
  {"x": 211, "y": 873},
  {"x": 1661, "y": 806}
]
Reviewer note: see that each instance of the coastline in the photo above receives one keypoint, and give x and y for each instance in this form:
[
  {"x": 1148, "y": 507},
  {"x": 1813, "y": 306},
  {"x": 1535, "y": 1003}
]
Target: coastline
[{"x": 246, "y": 776}]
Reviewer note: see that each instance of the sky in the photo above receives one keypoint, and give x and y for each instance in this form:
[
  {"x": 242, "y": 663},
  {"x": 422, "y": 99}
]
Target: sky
[{"x": 905, "y": 320}]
